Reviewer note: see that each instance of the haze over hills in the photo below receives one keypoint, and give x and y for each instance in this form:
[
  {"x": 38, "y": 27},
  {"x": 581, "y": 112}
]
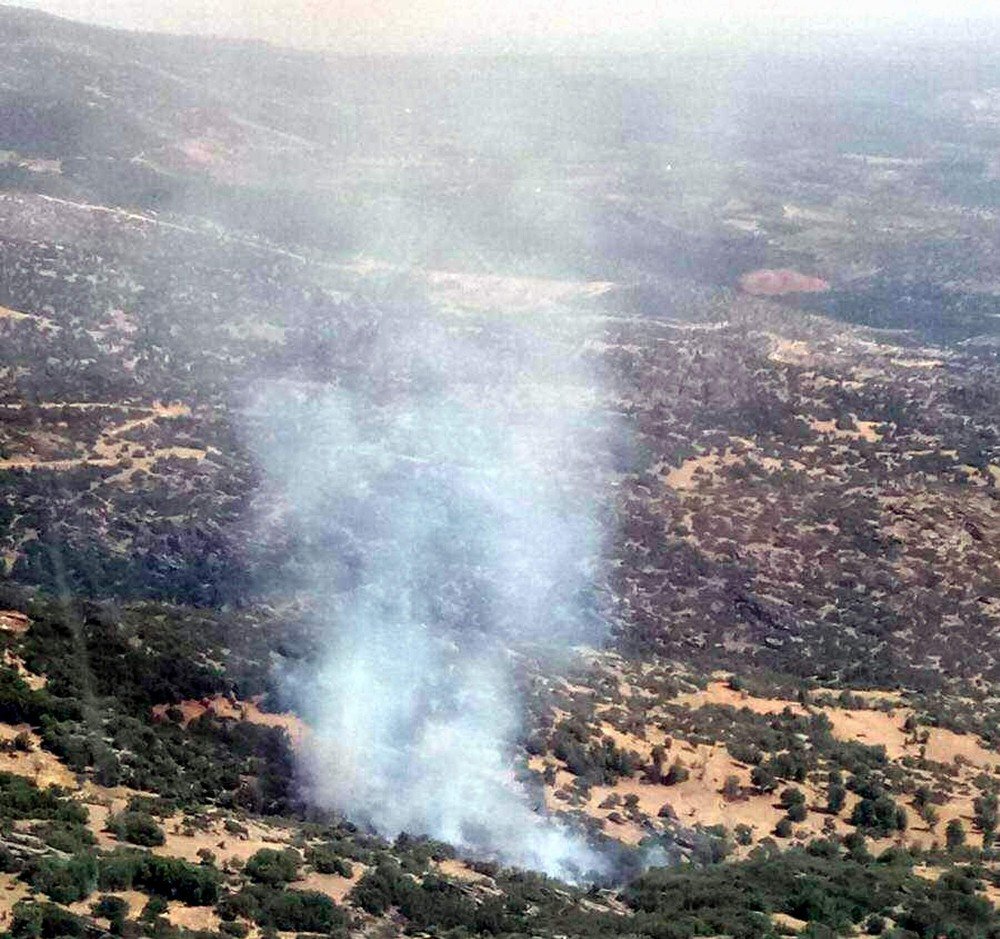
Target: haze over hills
[{"x": 345, "y": 398}]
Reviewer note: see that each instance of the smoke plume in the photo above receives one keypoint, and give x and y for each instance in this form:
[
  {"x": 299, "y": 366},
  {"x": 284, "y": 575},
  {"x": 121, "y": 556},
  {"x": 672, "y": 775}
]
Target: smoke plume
[{"x": 443, "y": 497}]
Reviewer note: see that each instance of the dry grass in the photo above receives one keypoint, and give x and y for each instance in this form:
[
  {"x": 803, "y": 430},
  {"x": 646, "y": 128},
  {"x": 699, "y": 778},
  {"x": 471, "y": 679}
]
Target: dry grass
[
  {"x": 232, "y": 709},
  {"x": 334, "y": 886},
  {"x": 38, "y": 765},
  {"x": 11, "y": 890},
  {"x": 111, "y": 451},
  {"x": 699, "y": 799}
]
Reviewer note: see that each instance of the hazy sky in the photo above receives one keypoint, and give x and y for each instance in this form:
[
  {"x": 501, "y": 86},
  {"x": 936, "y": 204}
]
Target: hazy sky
[{"x": 409, "y": 23}]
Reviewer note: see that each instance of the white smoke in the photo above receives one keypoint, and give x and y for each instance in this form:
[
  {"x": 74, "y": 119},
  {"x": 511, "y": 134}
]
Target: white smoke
[{"x": 444, "y": 500}]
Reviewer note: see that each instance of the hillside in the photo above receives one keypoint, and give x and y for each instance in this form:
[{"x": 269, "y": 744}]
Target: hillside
[{"x": 772, "y": 317}]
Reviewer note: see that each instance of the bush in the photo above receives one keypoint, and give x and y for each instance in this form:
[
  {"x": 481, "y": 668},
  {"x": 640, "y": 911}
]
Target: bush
[
  {"x": 763, "y": 779},
  {"x": 836, "y": 796},
  {"x": 792, "y": 796},
  {"x": 677, "y": 773},
  {"x": 238, "y": 905},
  {"x": 954, "y": 834},
  {"x": 875, "y": 925},
  {"x": 431, "y": 906},
  {"x": 272, "y": 867},
  {"x": 728, "y": 899},
  {"x": 10, "y": 863},
  {"x": 880, "y": 815},
  {"x": 857, "y": 847},
  {"x": 287, "y": 910},
  {"x": 797, "y": 812},
  {"x": 32, "y": 920},
  {"x": 744, "y": 752},
  {"x": 168, "y": 877},
  {"x": 20, "y": 799},
  {"x": 325, "y": 859},
  {"x": 68, "y": 837},
  {"x": 161, "y": 808},
  {"x": 113, "y": 909},
  {"x": 731, "y": 788},
  {"x": 63, "y": 881},
  {"x": 137, "y": 828},
  {"x": 155, "y": 906}
]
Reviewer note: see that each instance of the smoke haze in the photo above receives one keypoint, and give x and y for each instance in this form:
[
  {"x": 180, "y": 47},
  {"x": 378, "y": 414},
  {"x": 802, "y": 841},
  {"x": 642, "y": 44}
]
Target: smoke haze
[
  {"x": 438, "y": 494},
  {"x": 392, "y": 25}
]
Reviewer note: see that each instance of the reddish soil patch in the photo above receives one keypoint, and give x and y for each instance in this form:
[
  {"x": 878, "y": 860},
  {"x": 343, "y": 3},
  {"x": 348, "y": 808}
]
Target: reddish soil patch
[
  {"x": 13, "y": 622},
  {"x": 777, "y": 283}
]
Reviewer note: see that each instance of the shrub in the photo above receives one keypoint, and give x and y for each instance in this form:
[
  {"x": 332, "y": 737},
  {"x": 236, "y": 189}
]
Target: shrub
[
  {"x": 243, "y": 904},
  {"x": 325, "y": 859},
  {"x": 161, "y": 808},
  {"x": 726, "y": 899},
  {"x": 763, "y": 779},
  {"x": 875, "y": 925},
  {"x": 155, "y": 906},
  {"x": 792, "y": 796},
  {"x": 954, "y": 834},
  {"x": 21, "y": 799},
  {"x": 744, "y": 752},
  {"x": 986, "y": 813},
  {"x": 857, "y": 847},
  {"x": 63, "y": 881},
  {"x": 836, "y": 796},
  {"x": 113, "y": 909},
  {"x": 68, "y": 837},
  {"x": 46, "y": 920},
  {"x": 290, "y": 910},
  {"x": 136, "y": 828},
  {"x": 879, "y": 815},
  {"x": 272, "y": 867},
  {"x": 172, "y": 878},
  {"x": 677, "y": 773}
]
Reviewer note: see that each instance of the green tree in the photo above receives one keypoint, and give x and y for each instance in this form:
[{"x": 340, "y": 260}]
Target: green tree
[
  {"x": 835, "y": 797},
  {"x": 879, "y": 815},
  {"x": 985, "y": 813},
  {"x": 792, "y": 796},
  {"x": 763, "y": 779},
  {"x": 857, "y": 847}
]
